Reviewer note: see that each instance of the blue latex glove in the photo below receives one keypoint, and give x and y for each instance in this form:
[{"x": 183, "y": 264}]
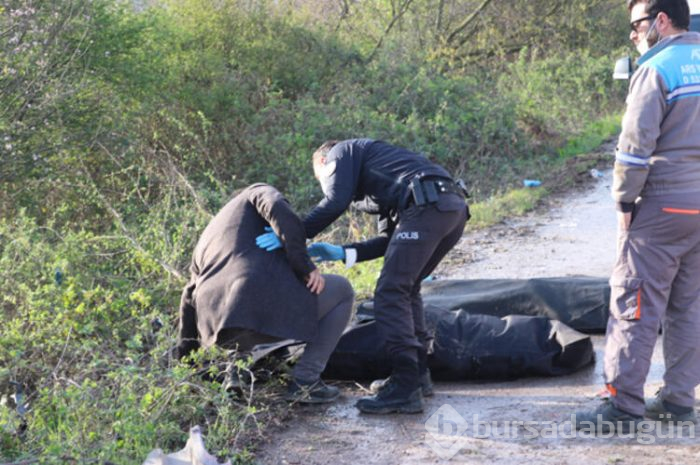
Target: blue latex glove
[
  {"x": 269, "y": 240},
  {"x": 324, "y": 251}
]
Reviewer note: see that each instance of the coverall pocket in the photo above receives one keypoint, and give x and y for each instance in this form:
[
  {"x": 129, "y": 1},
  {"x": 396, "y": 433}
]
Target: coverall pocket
[{"x": 626, "y": 298}]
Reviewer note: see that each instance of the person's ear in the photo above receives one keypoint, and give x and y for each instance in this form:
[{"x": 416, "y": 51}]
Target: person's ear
[
  {"x": 318, "y": 163},
  {"x": 663, "y": 22}
]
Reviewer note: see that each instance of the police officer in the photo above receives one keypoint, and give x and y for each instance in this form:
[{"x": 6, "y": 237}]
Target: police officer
[
  {"x": 421, "y": 212},
  {"x": 656, "y": 185}
]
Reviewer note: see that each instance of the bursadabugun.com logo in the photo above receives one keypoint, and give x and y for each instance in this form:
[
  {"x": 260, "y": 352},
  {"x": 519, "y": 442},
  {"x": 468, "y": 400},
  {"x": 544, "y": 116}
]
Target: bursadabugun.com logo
[{"x": 447, "y": 431}]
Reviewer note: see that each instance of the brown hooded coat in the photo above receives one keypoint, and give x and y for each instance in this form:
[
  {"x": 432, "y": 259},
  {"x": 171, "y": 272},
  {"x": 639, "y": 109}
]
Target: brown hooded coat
[{"x": 236, "y": 284}]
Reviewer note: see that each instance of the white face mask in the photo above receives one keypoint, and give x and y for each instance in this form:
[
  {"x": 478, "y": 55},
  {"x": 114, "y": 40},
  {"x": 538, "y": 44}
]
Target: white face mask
[{"x": 643, "y": 46}]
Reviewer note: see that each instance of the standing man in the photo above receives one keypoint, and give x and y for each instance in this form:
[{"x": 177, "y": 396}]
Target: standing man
[
  {"x": 656, "y": 280},
  {"x": 422, "y": 213},
  {"x": 239, "y": 295}
]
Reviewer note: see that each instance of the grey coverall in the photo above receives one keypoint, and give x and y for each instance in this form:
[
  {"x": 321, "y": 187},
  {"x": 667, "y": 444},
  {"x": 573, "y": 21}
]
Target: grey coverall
[{"x": 656, "y": 279}]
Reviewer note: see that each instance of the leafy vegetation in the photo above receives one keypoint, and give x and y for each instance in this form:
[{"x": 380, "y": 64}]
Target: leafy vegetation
[{"x": 125, "y": 125}]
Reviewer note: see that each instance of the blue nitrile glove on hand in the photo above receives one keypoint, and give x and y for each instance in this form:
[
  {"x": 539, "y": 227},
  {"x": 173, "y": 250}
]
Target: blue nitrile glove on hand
[
  {"x": 324, "y": 251},
  {"x": 269, "y": 240}
]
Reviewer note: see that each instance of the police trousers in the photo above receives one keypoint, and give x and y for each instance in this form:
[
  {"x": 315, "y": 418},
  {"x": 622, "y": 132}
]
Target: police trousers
[
  {"x": 656, "y": 282},
  {"x": 422, "y": 237}
]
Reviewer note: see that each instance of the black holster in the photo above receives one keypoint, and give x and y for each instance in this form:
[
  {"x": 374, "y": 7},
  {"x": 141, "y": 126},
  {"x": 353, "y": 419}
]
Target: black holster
[{"x": 426, "y": 190}]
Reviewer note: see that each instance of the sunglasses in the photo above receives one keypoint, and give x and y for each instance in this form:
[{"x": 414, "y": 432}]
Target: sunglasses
[{"x": 634, "y": 25}]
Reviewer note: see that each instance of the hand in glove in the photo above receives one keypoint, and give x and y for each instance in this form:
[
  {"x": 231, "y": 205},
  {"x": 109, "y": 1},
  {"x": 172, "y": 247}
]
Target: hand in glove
[
  {"x": 269, "y": 240},
  {"x": 323, "y": 251}
]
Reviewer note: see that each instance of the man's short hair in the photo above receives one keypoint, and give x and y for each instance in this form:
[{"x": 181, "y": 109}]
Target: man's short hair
[
  {"x": 677, "y": 10},
  {"x": 323, "y": 150}
]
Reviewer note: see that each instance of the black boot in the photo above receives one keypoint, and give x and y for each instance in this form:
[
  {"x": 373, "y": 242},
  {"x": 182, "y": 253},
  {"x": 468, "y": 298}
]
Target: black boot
[
  {"x": 426, "y": 383},
  {"x": 402, "y": 394},
  {"x": 310, "y": 392}
]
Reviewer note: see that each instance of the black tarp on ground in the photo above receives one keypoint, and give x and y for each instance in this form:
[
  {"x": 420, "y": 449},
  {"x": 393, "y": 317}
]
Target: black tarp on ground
[
  {"x": 467, "y": 346},
  {"x": 581, "y": 303}
]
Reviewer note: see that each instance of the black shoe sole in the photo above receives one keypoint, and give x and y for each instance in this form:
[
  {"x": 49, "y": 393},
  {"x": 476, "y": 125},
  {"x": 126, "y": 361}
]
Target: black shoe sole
[
  {"x": 311, "y": 400},
  {"x": 408, "y": 408},
  {"x": 425, "y": 392},
  {"x": 664, "y": 418}
]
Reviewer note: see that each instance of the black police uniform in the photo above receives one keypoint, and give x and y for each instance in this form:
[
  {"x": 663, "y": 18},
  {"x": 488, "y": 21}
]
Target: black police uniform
[{"x": 422, "y": 214}]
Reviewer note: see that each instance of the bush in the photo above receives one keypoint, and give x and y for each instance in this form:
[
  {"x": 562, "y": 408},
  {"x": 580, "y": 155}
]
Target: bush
[
  {"x": 82, "y": 338},
  {"x": 556, "y": 96}
]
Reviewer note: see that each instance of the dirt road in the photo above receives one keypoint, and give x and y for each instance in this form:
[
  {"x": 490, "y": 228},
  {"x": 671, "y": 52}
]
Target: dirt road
[{"x": 472, "y": 422}]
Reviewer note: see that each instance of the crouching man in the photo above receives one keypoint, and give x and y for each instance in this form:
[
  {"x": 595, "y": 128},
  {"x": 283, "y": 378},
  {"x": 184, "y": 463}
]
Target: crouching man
[{"x": 240, "y": 295}]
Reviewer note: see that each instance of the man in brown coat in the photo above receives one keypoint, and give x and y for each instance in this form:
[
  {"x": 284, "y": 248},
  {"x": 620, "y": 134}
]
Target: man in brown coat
[{"x": 240, "y": 295}]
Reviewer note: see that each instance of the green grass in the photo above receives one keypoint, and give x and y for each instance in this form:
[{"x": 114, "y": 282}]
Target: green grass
[
  {"x": 513, "y": 203},
  {"x": 363, "y": 276},
  {"x": 592, "y": 136}
]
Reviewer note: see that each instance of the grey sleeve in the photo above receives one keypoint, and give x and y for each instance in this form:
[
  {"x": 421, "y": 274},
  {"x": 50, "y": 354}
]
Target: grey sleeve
[{"x": 641, "y": 127}]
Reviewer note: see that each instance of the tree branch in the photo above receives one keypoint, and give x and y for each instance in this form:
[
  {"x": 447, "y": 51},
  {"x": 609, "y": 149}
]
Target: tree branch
[
  {"x": 438, "y": 18},
  {"x": 402, "y": 10},
  {"x": 21, "y": 462},
  {"x": 467, "y": 21},
  {"x": 127, "y": 234},
  {"x": 344, "y": 13},
  {"x": 197, "y": 199}
]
